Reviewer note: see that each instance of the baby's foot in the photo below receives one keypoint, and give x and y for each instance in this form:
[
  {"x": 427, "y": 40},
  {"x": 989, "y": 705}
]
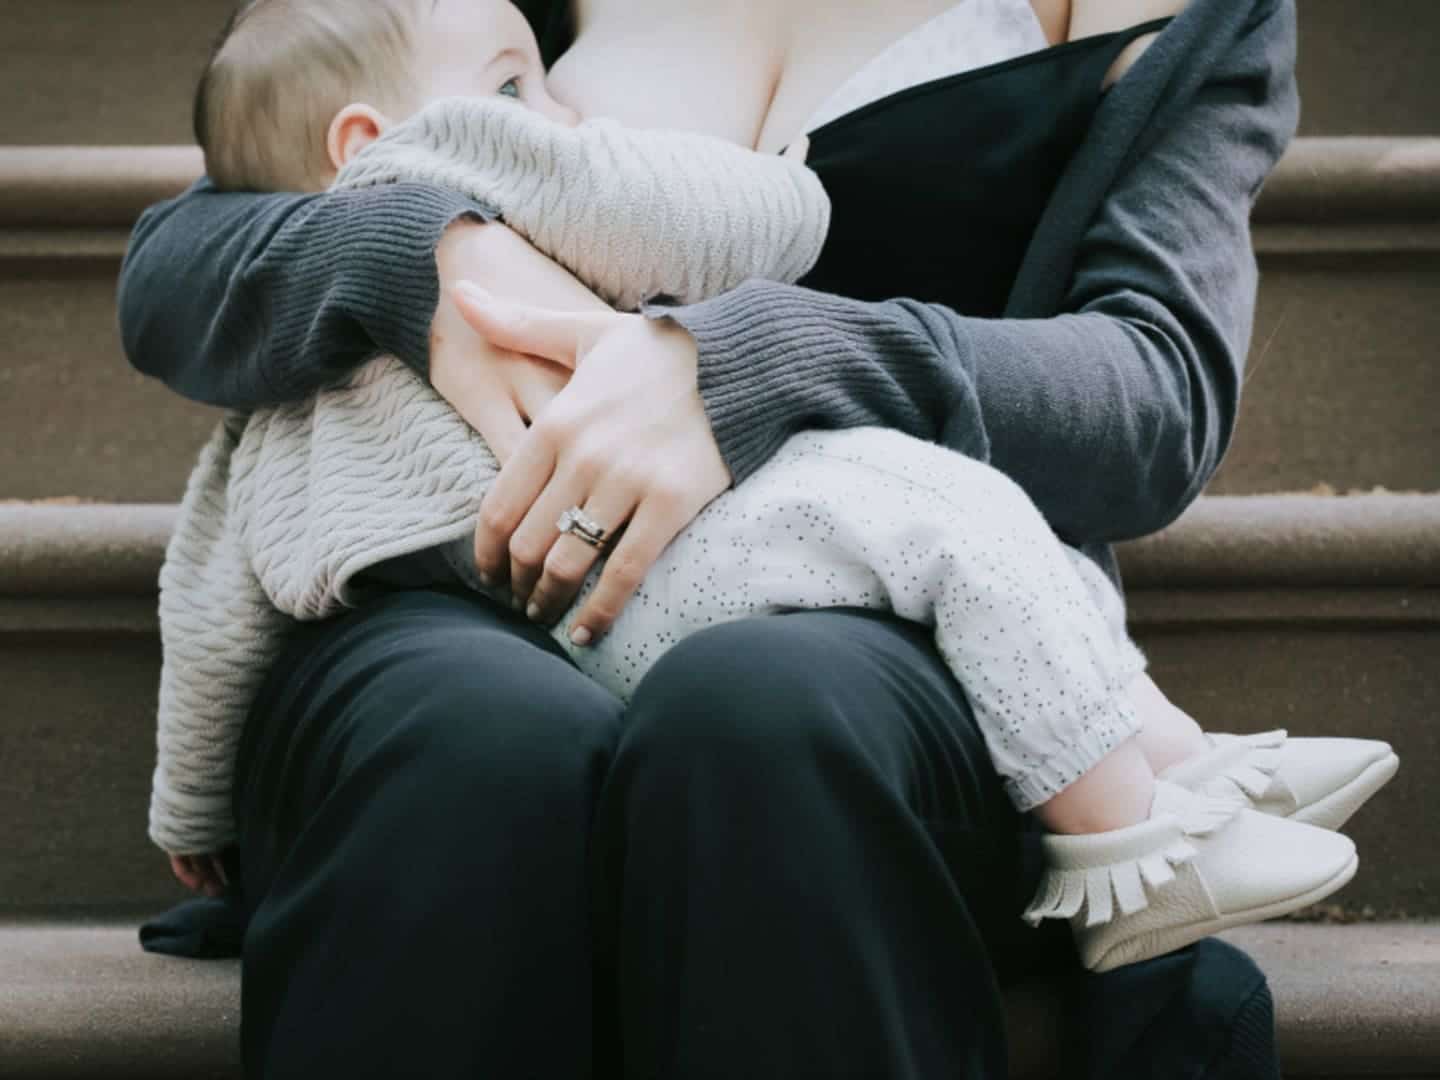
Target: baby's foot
[
  {"x": 1198, "y": 865},
  {"x": 1319, "y": 782}
]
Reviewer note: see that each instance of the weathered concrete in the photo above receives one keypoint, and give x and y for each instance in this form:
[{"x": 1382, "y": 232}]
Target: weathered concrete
[
  {"x": 100, "y": 72},
  {"x": 1342, "y": 387},
  {"x": 1321, "y": 643},
  {"x": 82, "y": 1000}
]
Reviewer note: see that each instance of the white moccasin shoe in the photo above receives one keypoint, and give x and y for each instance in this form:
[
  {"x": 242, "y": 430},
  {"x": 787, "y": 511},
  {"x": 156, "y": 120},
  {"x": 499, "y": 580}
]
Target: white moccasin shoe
[
  {"x": 1319, "y": 781},
  {"x": 1198, "y": 865}
]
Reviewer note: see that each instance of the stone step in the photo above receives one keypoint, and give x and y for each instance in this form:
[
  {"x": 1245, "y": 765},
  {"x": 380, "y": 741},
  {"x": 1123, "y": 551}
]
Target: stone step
[
  {"x": 98, "y": 72},
  {"x": 82, "y": 1000},
  {"x": 1341, "y": 388},
  {"x": 1313, "y": 613}
]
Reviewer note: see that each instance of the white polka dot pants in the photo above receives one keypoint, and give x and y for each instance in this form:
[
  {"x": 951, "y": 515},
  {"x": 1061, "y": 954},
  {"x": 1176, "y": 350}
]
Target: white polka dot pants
[{"x": 1033, "y": 631}]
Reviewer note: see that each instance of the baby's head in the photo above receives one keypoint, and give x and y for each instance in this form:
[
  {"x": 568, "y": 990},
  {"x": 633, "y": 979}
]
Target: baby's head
[{"x": 295, "y": 88}]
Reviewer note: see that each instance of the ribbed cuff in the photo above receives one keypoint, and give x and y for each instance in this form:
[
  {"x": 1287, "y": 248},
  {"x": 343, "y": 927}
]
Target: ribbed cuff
[
  {"x": 776, "y": 359},
  {"x": 1111, "y": 725},
  {"x": 382, "y": 264}
]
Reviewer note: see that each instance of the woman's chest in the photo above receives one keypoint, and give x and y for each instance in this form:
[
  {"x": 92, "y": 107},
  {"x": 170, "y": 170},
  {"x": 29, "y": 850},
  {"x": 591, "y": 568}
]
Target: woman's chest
[
  {"x": 686, "y": 64},
  {"x": 752, "y": 71}
]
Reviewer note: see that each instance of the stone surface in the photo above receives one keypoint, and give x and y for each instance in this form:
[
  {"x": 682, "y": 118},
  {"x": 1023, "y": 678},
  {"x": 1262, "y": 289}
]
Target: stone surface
[
  {"x": 1242, "y": 647},
  {"x": 96, "y": 71},
  {"x": 1357, "y": 1000},
  {"x": 1341, "y": 387},
  {"x": 82, "y": 1000}
]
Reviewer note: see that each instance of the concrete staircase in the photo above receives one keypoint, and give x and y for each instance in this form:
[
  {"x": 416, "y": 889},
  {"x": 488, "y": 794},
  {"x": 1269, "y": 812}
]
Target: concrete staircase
[{"x": 1303, "y": 591}]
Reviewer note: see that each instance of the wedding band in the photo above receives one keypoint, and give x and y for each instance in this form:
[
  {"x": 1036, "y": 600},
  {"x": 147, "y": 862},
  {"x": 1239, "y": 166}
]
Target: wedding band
[{"x": 581, "y": 526}]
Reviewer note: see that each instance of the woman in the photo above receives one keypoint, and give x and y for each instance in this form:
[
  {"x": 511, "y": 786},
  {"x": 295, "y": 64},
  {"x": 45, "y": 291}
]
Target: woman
[{"x": 789, "y": 856}]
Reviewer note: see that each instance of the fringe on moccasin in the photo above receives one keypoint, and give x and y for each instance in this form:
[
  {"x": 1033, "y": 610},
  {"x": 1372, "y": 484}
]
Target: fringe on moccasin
[
  {"x": 1085, "y": 874},
  {"x": 1253, "y": 772}
]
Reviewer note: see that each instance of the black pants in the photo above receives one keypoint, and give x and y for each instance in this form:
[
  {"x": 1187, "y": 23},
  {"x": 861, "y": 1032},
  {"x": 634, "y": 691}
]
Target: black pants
[{"x": 789, "y": 858}]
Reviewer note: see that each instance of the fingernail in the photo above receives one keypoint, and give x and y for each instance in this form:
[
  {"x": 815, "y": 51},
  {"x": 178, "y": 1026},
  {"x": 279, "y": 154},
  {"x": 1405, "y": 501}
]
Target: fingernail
[
  {"x": 486, "y": 579},
  {"x": 580, "y": 635},
  {"x": 473, "y": 291},
  {"x": 516, "y": 603},
  {"x": 532, "y": 611}
]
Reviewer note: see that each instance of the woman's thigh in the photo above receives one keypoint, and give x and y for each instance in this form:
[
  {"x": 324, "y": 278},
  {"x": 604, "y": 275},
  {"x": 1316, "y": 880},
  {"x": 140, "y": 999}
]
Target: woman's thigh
[
  {"x": 802, "y": 843},
  {"x": 798, "y": 854},
  {"x": 860, "y": 689},
  {"x": 414, "y": 796},
  {"x": 437, "y": 685}
]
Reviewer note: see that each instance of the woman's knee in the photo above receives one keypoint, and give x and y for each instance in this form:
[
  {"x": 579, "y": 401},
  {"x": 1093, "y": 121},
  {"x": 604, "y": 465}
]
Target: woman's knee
[
  {"x": 853, "y": 691},
  {"x": 482, "y": 710},
  {"x": 448, "y": 693},
  {"x": 748, "y": 688}
]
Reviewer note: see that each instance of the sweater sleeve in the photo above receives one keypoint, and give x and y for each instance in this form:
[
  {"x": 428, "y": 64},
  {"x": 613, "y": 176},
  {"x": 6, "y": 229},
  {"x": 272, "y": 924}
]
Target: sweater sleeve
[
  {"x": 245, "y": 300},
  {"x": 220, "y": 634},
  {"x": 1112, "y": 414}
]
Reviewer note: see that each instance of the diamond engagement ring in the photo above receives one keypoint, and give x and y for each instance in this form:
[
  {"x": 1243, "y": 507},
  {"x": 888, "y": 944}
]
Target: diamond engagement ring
[{"x": 581, "y": 526}]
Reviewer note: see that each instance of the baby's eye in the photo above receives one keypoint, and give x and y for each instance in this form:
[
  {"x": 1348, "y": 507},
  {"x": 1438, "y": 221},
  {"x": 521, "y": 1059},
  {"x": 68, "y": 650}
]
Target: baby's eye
[{"x": 510, "y": 88}]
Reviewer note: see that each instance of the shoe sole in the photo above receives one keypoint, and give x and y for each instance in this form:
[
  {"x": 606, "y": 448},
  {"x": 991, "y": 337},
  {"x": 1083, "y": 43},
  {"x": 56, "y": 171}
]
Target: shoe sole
[
  {"x": 1161, "y": 942},
  {"x": 1339, "y": 806}
]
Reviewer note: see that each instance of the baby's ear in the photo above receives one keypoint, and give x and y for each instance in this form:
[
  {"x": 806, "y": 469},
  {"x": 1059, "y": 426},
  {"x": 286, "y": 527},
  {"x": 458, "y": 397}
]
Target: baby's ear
[{"x": 355, "y": 127}]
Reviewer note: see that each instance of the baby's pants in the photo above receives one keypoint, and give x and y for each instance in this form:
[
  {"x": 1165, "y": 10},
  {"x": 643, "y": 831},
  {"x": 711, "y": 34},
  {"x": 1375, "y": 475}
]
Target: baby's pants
[{"x": 870, "y": 518}]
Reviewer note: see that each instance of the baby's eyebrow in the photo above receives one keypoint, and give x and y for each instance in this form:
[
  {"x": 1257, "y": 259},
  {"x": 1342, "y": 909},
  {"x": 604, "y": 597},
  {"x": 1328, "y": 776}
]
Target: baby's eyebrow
[{"x": 505, "y": 54}]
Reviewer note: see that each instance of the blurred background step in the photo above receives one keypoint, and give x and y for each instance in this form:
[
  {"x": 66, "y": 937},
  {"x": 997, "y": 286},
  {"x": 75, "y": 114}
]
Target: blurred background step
[
  {"x": 1343, "y": 388},
  {"x": 1317, "y": 614},
  {"x": 80, "y": 1001},
  {"x": 1363, "y": 68}
]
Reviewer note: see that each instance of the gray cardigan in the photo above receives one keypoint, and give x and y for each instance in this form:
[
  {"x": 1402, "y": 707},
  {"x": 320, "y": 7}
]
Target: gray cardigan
[{"x": 1109, "y": 391}]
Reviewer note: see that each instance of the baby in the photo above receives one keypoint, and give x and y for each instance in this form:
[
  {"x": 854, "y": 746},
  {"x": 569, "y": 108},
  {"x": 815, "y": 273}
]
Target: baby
[{"x": 1229, "y": 829}]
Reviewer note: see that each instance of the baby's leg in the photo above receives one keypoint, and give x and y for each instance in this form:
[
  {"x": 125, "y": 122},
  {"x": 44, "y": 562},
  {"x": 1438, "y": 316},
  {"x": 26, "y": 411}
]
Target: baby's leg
[
  {"x": 1168, "y": 734},
  {"x": 875, "y": 519},
  {"x": 871, "y": 518}
]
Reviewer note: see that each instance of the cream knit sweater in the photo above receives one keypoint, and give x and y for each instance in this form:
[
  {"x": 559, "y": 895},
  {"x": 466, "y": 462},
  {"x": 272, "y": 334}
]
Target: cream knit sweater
[{"x": 287, "y": 505}]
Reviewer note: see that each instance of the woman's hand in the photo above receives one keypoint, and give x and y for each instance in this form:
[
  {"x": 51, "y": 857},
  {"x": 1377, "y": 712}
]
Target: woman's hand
[
  {"x": 627, "y": 441},
  {"x": 201, "y": 873},
  {"x": 497, "y": 391}
]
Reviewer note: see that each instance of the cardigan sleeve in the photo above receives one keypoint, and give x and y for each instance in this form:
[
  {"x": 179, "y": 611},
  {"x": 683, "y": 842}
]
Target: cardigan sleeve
[
  {"x": 1113, "y": 414},
  {"x": 244, "y": 300}
]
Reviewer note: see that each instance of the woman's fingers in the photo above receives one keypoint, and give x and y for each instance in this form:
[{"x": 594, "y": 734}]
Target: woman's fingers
[
  {"x": 559, "y": 336},
  {"x": 535, "y": 383},
  {"x": 522, "y": 478},
  {"x": 502, "y": 426},
  {"x": 571, "y": 558},
  {"x": 535, "y": 537},
  {"x": 656, "y": 522},
  {"x": 477, "y": 388}
]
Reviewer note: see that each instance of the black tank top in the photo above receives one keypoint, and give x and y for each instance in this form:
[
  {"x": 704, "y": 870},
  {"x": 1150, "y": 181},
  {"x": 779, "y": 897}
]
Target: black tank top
[{"x": 936, "y": 189}]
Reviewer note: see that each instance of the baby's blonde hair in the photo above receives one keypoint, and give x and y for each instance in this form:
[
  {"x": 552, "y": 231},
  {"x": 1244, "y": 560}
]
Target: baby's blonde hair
[{"x": 279, "y": 73}]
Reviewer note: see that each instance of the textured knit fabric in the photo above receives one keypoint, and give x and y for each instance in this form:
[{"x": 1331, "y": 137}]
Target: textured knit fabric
[
  {"x": 1110, "y": 391},
  {"x": 1109, "y": 394},
  {"x": 633, "y": 214},
  {"x": 287, "y": 508}
]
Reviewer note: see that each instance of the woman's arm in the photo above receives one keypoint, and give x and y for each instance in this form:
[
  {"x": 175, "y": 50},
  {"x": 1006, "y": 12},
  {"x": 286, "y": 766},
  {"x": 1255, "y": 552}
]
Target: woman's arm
[
  {"x": 1112, "y": 415},
  {"x": 244, "y": 300}
]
